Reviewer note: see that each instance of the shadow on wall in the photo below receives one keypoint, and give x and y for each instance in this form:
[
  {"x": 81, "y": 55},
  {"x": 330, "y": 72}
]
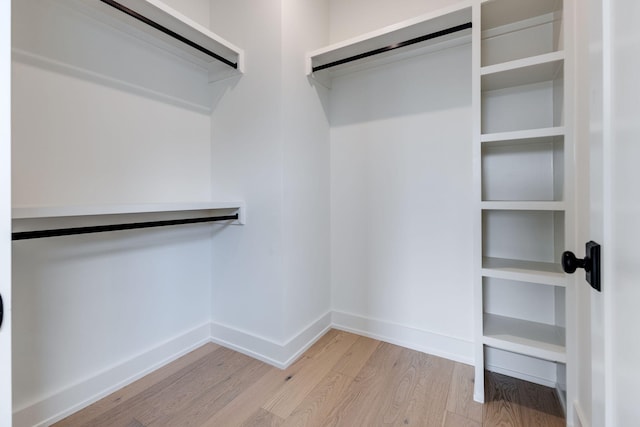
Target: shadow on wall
[
  {"x": 408, "y": 87},
  {"x": 59, "y": 36}
]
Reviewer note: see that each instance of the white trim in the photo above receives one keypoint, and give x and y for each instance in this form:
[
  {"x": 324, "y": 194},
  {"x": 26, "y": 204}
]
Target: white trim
[
  {"x": 67, "y": 401},
  {"x": 78, "y": 396},
  {"x": 562, "y": 398},
  {"x": 279, "y": 354},
  {"x": 457, "y": 349},
  {"x": 5, "y": 212},
  {"x": 530, "y": 377}
]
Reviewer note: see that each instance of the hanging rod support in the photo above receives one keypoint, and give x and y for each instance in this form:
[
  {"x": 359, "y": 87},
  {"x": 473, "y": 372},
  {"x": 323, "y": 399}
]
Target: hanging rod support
[
  {"x": 39, "y": 234},
  {"x": 394, "y": 46},
  {"x": 168, "y": 32}
]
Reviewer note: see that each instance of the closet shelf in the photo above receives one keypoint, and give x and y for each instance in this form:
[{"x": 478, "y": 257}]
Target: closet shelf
[
  {"x": 441, "y": 29},
  {"x": 524, "y": 337},
  {"x": 42, "y": 212},
  {"x": 161, "y": 25},
  {"x": 523, "y": 134},
  {"x": 36, "y": 222},
  {"x": 523, "y": 205},
  {"x": 524, "y": 71},
  {"x": 545, "y": 273}
]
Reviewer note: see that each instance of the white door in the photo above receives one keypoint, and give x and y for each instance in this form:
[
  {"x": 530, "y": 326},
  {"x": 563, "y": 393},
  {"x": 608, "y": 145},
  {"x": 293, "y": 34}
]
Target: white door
[
  {"x": 5, "y": 211},
  {"x": 615, "y": 210}
]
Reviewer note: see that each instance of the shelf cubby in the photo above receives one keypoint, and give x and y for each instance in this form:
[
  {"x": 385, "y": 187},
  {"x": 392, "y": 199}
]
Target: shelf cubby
[
  {"x": 515, "y": 29},
  {"x": 529, "y": 169},
  {"x": 525, "y": 300},
  {"x": 523, "y": 235},
  {"x": 525, "y": 107}
]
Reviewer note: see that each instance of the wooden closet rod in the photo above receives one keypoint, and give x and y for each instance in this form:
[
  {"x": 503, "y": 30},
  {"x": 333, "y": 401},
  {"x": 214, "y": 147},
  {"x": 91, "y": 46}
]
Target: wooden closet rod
[
  {"x": 394, "y": 46},
  {"x": 38, "y": 234},
  {"x": 167, "y": 31}
]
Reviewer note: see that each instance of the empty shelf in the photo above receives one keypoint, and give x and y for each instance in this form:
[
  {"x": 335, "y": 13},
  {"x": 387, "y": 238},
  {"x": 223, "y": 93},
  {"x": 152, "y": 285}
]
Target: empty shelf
[
  {"x": 32, "y": 212},
  {"x": 524, "y": 337},
  {"x": 523, "y": 206},
  {"x": 523, "y": 134},
  {"x": 525, "y": 71},
  {"x": 545, "y": 273}
]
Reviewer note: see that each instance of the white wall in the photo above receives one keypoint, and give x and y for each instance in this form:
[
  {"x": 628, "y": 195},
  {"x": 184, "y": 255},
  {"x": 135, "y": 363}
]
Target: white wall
[
  {"x": 247, "y": 164},
  {"x": 270, "y": 148},
  {"x": 103, "y": 118},
  {"x": 198, "y": 10},
  {"x": 306, "y": 168},
  {"x": 350, "y": 18},
  {"x": 401, "y": 200}
]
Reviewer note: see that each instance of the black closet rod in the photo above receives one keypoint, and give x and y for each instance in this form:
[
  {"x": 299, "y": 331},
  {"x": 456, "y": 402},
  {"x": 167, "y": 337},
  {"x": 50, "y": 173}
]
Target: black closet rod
[
  {"x": 394, "y": 46},
  {"x": 38, "y": 234},
  {"x": 167, "y": 31}
]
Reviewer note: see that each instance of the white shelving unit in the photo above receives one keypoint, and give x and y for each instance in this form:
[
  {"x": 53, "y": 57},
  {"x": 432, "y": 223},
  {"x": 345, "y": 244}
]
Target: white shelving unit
[
  {"x": 183, "y": 36},
  {"x": 523, "y": 166},
  {"x": 380, "y": 40}
]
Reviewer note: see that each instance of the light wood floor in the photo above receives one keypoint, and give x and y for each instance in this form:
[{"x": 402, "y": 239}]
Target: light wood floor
[{"x": 343, "y": 380}]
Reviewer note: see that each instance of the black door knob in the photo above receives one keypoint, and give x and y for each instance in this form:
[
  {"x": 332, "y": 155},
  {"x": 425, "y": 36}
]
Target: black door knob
[
  {"x": 590, "y": 263},
  {"x": 570, "y": 263}
]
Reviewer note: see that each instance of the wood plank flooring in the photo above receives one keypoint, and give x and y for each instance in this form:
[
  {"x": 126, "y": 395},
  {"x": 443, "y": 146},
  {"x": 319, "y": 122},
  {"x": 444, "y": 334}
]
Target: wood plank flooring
[{"x": 342, "y": 380}]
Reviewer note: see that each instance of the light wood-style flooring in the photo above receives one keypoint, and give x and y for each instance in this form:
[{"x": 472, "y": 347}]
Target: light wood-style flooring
[{"x": 342, "y": 380}]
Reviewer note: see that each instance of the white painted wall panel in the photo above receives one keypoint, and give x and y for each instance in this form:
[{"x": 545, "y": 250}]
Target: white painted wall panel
[
  {"x": 270, "y": 139},
  {"x": 350, "y": 18},
  {"x": 401, "y": 193},
  {"x": 102, "y": 117},
  {"x": 198, "y": 10},
  {"x": 87, "y": 303},
  {"x": 246, "y": 129},
  {"x": 306, "y": 168}
]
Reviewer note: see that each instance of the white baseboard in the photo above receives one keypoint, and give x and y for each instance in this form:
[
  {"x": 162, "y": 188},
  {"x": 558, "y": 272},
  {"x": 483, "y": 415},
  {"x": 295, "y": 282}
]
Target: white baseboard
[
  {"x": 72, "y": 399},
  {"x": 562, "y": 398},
  {"x": 448, "y": 347},
  {"x": 525, "y": 376},
  {"x": 278, "y": 354}
]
